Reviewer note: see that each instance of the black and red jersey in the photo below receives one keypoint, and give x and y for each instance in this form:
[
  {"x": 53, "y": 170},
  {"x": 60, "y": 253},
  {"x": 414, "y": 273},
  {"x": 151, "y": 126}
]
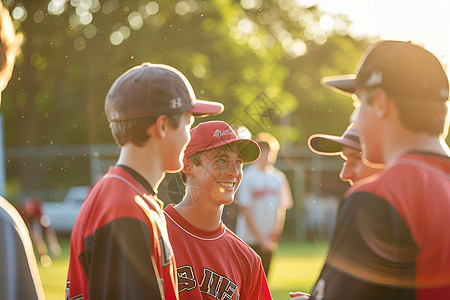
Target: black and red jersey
[
  {"x": 119, "y": 244},
  {"x": 392, "y": 237}
]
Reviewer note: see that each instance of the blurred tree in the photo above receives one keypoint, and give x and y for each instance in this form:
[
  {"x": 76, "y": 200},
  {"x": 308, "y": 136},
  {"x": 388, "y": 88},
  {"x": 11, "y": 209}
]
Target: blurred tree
[
  {"x": 262, "y": 59},
  {"x": 232, "y": 51}
]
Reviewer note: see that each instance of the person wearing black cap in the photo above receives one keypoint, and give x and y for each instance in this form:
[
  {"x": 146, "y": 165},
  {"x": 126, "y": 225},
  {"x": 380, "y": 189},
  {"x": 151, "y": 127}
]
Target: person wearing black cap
[
  {"x": 119, "y": 246},
  {"x": 213, "y": 263},
  {"x": 19, "y": 275},
  {"x": 391, "y": 240},
  {"x": 348, "y": 146}
]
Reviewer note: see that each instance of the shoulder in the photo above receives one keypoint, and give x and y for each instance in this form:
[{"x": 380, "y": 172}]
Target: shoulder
[
  {"x": 10, "y": 217},
  {"x": 407, "y": 178},
  {"x": 243, "y": 249}
]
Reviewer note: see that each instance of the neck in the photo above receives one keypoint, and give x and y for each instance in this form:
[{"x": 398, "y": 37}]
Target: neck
[
  {"x": 406, "y": 141},
  {"x": 143, "y": 160},
  {"x": 198, "y": 213}
]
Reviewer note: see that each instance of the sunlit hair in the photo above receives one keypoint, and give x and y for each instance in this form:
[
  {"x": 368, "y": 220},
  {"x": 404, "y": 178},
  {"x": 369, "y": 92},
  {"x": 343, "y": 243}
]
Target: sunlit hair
[
  {"x": 135, "y": 131},
  {"x": 419, "y": 115},
  {"x": 9, "y": 46},
  {"x": 265, "y": 139}
]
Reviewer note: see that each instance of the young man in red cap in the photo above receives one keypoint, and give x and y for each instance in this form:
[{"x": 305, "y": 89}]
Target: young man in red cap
[
  {"x": 119, "y": 244},
  {"x": 348, "y": 146},
  {"x": 391, "y": 239},
  {"x": 212, "y": 262}
]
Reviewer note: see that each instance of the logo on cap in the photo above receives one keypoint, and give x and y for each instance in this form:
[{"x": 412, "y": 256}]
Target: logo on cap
[
  {"x": 376, "y": 78},
  {"x": 220, "y": 133},
  {"x": 175, "y": 103},
  {"x": 114, "y": 115}
]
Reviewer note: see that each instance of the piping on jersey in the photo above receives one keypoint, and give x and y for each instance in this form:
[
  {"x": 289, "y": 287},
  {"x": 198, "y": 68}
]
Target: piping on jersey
[
  {"x": 130, "y": 185},
  {"x": 200, "y": 238},
  {"x": 423, "y": 165}
]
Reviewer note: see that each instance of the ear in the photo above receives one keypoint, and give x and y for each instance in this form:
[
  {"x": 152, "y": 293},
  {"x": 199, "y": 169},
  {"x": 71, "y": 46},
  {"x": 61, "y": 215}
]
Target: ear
[
  {"x": 382, "y": 103},
  {"x": 160, "y": 127},
  {"x": 188, "y": 167}
]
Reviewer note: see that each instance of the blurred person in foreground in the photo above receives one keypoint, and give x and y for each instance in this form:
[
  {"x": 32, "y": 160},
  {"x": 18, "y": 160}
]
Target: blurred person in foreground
[
  {"x": 263, "y": 198},
  {"x": 213, "y": 263},
  {"x": 392, "y": 239},
  {"x": 19, "y": 276},
  {"x": 119, "y": 246},
  {"x": 348, "y": 146}
]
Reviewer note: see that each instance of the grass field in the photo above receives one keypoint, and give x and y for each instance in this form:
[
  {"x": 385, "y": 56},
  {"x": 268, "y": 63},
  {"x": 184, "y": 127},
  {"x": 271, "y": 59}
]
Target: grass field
[{"x": 295, "y": 267}]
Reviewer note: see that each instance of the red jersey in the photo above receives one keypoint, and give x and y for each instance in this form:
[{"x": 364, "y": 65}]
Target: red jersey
[
  {"x": 214, "y": 264},
  {"x": 119, "y": 246},
  {"x": 391, "y": 239}
]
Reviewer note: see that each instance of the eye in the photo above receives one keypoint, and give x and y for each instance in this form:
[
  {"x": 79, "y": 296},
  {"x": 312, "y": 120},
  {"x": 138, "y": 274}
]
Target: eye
[
  {"x": 221, "y": 161},
  {"x": 239, "y": 162}
]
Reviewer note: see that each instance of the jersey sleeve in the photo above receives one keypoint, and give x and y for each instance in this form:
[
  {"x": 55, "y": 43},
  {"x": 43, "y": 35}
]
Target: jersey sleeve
[
  {"x": 18, "y": 272},
  {"x": 119, "y": 263},
  {"x": 372, "y": 253},
  {"x": 260, "y": 288}
]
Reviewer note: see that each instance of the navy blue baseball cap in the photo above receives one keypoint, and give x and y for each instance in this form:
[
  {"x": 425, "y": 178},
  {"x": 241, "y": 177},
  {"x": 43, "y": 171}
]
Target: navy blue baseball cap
[
  {"x": 325, "y": 144},
  {"x": 151, "y": 90}
]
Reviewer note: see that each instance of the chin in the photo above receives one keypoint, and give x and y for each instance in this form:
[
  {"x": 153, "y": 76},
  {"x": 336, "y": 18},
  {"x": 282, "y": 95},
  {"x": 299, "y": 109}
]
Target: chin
[{"x": 175, "y": 168}]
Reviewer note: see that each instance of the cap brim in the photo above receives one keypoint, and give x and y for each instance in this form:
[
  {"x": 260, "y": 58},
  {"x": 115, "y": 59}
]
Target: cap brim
[
  {"x": 249, "y": 149},
  {"x": 204, "y": 108},
  {"x": 345, "y": 84},
  {"x": 325, "y": 144}
]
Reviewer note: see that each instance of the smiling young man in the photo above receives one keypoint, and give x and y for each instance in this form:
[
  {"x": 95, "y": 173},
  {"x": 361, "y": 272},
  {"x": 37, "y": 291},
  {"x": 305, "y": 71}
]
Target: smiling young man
[
  {"x": 212, "y": 262},
  {"x": 391, "y": 239},
  {"x": 119, "y": 247},
  {"x": 348, "y": 146}
]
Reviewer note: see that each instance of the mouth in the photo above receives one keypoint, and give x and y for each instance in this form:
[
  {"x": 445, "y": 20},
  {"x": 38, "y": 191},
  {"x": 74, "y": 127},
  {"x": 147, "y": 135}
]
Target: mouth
[{"x": 230, "y": 186}]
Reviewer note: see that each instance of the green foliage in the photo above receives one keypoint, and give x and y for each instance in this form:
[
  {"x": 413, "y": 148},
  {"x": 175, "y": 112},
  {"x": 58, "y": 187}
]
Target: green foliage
[{"x": 235, "y": 52}]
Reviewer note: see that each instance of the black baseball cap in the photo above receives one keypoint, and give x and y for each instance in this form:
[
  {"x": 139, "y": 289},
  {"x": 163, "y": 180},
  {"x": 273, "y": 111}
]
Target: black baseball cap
[
  {"x": 325, "y": 144},
  {"x": 151, "y": 90},
  {"x": 403, "y": 69}
]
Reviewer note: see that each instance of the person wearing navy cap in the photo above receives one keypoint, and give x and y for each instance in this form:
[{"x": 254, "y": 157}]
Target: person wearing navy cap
[
  {"x": 119, "y": 247},
  {"x": 348, "y": 146}
]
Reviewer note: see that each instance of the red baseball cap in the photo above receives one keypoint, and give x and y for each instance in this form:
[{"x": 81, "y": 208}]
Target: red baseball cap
[
  {"x": 325, "y": 144},
  {"x": 214, "y": 134}
]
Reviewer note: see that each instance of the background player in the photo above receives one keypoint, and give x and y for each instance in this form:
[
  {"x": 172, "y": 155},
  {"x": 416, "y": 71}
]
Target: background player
[
  {"x": 19, "y": 276},
  {"x": 119, "y": 244},
  {"x": 348, "y": 146},
  {"x": 263, "y": 198},
  {"x": 212, "y": 262}
]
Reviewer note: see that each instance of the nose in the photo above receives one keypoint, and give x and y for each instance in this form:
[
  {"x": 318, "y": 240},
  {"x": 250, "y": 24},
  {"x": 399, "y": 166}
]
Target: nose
[
  {"x": 233, "y": 169},
  {"x": 347, "y": 173}
]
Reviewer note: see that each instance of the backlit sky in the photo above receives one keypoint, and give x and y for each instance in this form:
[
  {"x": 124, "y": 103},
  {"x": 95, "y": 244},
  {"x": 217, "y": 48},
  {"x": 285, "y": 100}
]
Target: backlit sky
[{"x": 426, "y": 22}]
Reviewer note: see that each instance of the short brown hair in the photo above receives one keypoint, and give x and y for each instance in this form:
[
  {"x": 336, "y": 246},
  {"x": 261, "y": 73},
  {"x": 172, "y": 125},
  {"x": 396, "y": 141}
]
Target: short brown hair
[{"x": 135, "y": 131}]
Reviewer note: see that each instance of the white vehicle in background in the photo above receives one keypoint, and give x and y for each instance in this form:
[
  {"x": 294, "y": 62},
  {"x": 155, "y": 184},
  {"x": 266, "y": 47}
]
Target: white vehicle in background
[{"x": 63, "y": 214}]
